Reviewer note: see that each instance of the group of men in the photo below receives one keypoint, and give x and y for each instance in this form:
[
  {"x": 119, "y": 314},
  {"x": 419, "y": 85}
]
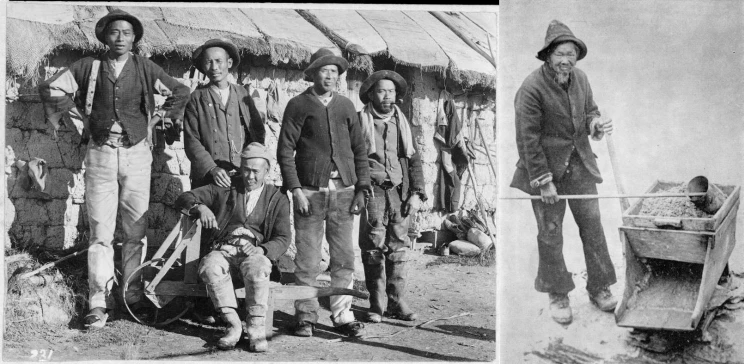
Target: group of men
[{"x": 336, "y": 162}]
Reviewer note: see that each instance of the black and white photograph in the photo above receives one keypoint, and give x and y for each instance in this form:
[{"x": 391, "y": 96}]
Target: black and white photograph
[
  {"x": 620, "y": 165},
  {"x": 231, "y": 182}
]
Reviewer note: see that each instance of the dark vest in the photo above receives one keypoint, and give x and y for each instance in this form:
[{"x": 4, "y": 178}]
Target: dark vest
[{"x": 121, "y": 99}]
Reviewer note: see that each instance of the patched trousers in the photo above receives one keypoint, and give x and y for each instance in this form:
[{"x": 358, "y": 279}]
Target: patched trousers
[
  {"x": 117, "y": 177},
  {"x": 552, "y": 274},
  {"x": 382, "y": 226},
  {"x": 329, "y": 206}
]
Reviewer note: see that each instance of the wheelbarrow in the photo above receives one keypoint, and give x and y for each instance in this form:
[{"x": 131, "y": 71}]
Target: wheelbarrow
[
  {"x": 167, "y": 278},
  {"x": 673, "y": 264}
]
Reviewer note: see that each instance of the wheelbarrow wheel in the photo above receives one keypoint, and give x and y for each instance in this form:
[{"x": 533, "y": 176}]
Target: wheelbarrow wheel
[{"x": 173, "y": 308}]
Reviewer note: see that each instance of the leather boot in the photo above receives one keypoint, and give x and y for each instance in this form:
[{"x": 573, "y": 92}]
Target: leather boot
[
  {"x": 396, "y": 269},
  {"x": 256, "y": 272},
  {"x": 374, "y": 273},
  {"x": 234, "y": 329}
]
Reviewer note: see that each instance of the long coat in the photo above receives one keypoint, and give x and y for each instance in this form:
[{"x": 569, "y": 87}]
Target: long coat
[{"x": 552, "y": 123}]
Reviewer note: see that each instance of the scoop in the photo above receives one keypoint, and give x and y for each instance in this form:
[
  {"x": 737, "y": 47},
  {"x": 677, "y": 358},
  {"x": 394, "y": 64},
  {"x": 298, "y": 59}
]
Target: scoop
[{"x": 713, "y": 197}]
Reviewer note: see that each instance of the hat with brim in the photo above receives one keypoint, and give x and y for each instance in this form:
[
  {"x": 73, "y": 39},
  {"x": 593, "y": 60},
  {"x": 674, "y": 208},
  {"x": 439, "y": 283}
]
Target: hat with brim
[
  {"x": 231, "y": 49},
  {"x": 559, "y": 33},
  {"x": 255, "y": 150},
  {"x": 325, "y": 57},
  {"x": 118, "y": 15},
  {"x": 401, "y": 86}
]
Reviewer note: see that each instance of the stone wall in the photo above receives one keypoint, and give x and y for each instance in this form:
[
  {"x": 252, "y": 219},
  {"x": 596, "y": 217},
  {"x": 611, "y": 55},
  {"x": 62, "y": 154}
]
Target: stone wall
[{"x": 56, "y": 219}]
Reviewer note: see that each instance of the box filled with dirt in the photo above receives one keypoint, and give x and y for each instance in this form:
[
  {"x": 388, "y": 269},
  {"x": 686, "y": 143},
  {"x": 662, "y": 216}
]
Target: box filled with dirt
[{"x": 677, "y": 212}]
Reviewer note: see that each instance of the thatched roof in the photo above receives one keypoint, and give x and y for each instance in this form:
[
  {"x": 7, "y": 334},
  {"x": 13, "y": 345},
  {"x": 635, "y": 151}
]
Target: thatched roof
[{"x": 412, "y": 38}]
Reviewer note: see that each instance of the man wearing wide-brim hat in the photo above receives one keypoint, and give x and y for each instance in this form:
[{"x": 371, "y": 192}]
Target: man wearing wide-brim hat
[
  {"x": 555, "y": 116},
  {"x": 248, "y": 224},
  {"x": 323, "y": 160},
  {"x": 221, "y": 118},
  {"x": 110, "y": 98},
  {"x": 398, "y": 189}
]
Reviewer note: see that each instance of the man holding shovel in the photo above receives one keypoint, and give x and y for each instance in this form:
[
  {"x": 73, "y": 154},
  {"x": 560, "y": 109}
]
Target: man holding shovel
[{"x": 555, "y": 115}]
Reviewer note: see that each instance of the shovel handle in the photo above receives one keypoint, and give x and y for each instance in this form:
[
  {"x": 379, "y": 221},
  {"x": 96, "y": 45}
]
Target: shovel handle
[{"x": 624, "y": 204}]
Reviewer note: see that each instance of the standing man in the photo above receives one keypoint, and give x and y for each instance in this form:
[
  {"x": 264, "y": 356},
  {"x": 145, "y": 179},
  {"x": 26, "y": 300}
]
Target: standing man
[
  {"x": 251, "y": 228},
  {"x": 555, "y": 115},
  {"x": 397, "y": 192},
  {"x": 111, "y": 97},
  {"x": 221, "y": 118},
  {"x": 323, "y": 160}
]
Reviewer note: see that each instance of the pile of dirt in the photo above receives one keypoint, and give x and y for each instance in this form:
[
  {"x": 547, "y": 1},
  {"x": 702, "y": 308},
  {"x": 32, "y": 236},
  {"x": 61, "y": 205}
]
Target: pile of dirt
[
  {"x": 41, "y": 304},
  {"x": 672, "y": 206}
]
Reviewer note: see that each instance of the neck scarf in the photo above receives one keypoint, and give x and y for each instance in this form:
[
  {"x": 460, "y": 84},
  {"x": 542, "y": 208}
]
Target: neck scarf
[{"x": 368, "y": 128}]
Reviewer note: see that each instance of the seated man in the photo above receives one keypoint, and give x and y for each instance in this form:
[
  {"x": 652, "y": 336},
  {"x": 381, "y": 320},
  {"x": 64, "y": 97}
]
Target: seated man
[{"x": 249, "y": 226}]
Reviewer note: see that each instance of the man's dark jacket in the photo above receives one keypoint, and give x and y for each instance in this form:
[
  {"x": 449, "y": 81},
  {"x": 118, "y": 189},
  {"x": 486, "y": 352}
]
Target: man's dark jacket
[
  {"x": 206, "y": 143},
  {"x": 551, "y": 123},
  {"x": 320, "y": 135},
  {"x": 229, "y": 203}
]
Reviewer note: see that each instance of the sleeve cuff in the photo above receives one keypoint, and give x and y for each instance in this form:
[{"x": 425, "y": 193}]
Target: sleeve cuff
[{"x": 542, "y": 180}]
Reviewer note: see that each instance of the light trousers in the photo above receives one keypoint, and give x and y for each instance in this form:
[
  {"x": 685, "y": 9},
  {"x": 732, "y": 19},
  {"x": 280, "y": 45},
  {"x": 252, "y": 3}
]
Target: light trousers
[
  {"x": 117, "y": 177},
  {"x": 330, "y": 206}
]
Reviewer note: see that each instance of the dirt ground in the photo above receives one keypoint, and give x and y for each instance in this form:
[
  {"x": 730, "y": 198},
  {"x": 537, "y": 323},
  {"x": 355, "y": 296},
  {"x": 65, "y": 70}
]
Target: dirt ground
[
  {"x": 526, "y": 330},
  {"x": 435, "y": 291}
]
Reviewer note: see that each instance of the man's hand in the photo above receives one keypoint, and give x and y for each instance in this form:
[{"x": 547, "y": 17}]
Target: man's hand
[
  {"x": 207, "y": 218},
  {"x": 250, "y": 249},
  {"x": 549, "y": 193},
  {"x": 412, "y": 205},
  {"x": 604, "y": 125},
  {"x": 220, "y": 177},
  {"x": 303, "y": 205},
  {"x": 358, "y": 203}
]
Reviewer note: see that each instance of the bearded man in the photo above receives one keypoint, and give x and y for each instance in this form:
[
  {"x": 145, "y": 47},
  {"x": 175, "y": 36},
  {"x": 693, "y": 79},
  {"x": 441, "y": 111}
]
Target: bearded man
[
  {"x": 555, "y": 115},
  {"x": 398, "y": 189}
]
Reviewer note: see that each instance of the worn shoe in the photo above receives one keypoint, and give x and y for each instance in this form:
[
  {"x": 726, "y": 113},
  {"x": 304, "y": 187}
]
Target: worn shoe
[
  {"x": 234, "y": 330},
  {"x": 373, "y": 317},
  {"x": 603, "y": 299},
  {"x": 352, "y": 329},
  {"x": 401, "y": 312},
  {"x": 560, "y": 308},
  {"x": 304, "y": 329},
  {"x": 96, "y": 318}
]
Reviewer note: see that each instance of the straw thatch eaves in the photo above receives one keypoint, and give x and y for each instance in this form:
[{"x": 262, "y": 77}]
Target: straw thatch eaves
[{"x": 453, "y": 44}]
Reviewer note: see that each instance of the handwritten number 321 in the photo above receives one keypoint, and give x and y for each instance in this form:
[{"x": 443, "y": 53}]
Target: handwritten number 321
[{"x": 42, "y": 354}]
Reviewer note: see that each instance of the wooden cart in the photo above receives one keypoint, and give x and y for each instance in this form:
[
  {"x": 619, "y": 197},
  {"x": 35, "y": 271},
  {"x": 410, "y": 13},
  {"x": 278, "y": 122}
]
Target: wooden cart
[
  {"x": 673, "y": 265},
  {"x": 176, "y": 276}
]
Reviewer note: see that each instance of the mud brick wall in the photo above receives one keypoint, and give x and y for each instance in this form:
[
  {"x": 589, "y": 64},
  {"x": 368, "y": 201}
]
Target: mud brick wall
[{"x": 57, "y": 219}]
